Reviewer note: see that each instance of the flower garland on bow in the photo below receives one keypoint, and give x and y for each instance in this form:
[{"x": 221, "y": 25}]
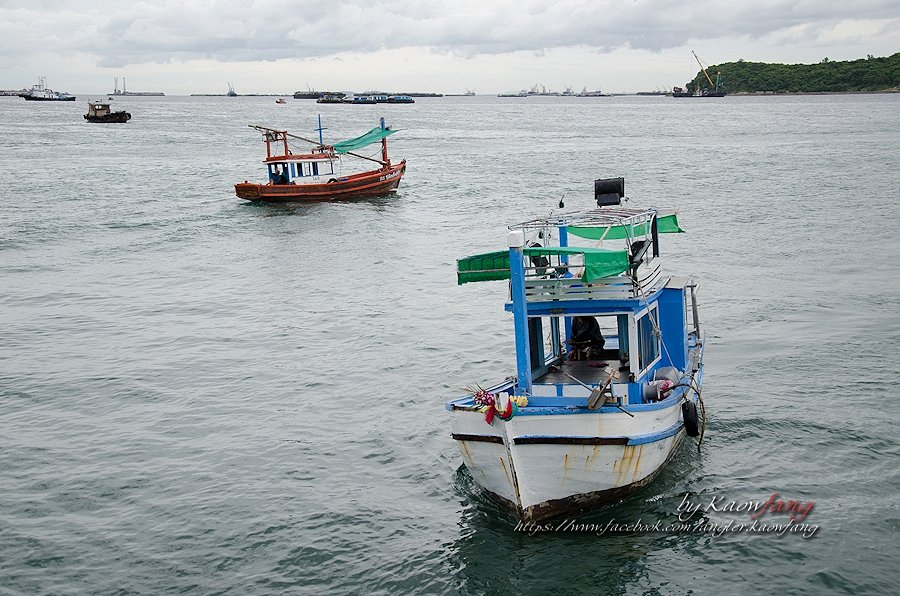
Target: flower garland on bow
[{"x": 502, "y": 405}]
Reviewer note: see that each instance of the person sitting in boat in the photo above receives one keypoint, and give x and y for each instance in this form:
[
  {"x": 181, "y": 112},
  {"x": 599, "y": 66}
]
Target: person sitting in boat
[
  {"x": 278, "y": 177},
  {"x": 587, "y": 339}
]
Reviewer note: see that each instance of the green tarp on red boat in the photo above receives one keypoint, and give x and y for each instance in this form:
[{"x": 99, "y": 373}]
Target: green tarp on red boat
[
  {"x": 373, "y": 136},
  {"x": 598, "y": 263},
  {"x": 667, "y": 224}
]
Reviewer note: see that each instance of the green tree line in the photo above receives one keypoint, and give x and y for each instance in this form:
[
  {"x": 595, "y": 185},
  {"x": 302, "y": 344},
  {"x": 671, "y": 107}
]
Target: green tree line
[{"x": 869, "y": 74}]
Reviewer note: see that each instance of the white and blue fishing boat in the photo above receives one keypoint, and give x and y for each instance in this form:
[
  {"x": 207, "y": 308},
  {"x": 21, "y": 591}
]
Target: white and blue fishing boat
[{"x": 609, "y": 361}]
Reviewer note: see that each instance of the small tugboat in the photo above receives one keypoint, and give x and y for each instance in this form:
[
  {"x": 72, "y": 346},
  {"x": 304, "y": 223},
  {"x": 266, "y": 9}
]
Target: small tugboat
[
  {"x": 100, "y": 112},
  {"x": 317, "y": 175},
  {"x": 40, "y": 92},
  {"x": 609, "y": 360}
]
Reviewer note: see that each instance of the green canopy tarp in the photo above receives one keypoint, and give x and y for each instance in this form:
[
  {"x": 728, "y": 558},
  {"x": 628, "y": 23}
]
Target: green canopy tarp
[
  {"x": 667, "y": 224},
  {"x": 373, "y": 136},
  {"x": 598, "y": 263}
]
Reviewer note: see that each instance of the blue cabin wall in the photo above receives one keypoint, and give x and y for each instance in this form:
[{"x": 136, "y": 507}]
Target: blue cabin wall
[{"x": 673, "y": 324}]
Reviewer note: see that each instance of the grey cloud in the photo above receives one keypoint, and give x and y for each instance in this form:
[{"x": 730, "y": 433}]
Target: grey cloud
[{"x": 163, "y": 31}]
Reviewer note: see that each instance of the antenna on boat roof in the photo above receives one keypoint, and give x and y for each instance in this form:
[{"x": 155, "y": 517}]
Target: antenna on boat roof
[{"x": 320, "y": 129}]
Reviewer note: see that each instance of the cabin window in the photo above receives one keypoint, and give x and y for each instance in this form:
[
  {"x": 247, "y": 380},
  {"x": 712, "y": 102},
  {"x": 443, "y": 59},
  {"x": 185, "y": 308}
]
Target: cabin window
[
  {"x": 315, "y": 168},
  {"x": 648, "y": 342},
  {"x": 545, "y": 343},
  {"x": 307, "y": 171}
]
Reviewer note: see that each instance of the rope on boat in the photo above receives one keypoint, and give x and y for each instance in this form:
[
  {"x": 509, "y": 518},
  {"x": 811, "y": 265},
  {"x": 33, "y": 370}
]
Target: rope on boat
[
  {"x": 656, "y": 330},
  {"x": 692, "y": 384}
]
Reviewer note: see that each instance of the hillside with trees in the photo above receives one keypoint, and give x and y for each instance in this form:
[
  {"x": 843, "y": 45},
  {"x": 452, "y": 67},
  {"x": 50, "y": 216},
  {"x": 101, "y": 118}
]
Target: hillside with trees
[{"x": 864, "y": 75}]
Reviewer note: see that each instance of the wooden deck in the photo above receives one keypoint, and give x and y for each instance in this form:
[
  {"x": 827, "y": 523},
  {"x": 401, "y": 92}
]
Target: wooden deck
[{"x": 589, "y": 373}]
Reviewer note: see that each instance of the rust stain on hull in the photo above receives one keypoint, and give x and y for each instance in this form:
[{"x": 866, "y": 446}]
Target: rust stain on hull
[
  {"x": 591, "y": 457},
  {"x": 637, "y": 463},
  {"x": 506, "y": 473},
  {"x": 622, "y": 466}
]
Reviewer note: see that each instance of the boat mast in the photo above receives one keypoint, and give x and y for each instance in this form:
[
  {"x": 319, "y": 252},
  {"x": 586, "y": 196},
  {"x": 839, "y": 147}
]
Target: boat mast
[
  {"x": 384, "y": 153},
  {"x": 516, "y": 242},
  {"x": 320, "y": 129}
]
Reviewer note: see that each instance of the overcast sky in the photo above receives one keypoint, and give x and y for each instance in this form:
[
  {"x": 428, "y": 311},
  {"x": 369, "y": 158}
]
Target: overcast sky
[{"x": 489, "y": 46}]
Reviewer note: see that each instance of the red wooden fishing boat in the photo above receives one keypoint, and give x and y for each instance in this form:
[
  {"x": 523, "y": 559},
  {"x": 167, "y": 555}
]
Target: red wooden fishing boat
[{"x": 318, "y": 175}]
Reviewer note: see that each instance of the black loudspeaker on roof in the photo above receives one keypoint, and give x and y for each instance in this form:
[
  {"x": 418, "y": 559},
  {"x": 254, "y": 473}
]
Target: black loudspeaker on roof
[{"x": 609, "y": 191}]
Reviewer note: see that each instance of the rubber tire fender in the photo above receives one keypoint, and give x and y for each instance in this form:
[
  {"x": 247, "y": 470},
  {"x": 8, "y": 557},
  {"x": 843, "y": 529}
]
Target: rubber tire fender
[{"x": 691, "y": 422}]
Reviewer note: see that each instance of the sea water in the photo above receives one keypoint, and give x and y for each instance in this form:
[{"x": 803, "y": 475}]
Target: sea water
[{"x": 202, "y": 394}]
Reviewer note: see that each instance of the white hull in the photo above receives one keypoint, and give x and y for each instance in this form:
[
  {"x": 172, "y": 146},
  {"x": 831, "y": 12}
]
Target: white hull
[{"x": 546, "y": 465}]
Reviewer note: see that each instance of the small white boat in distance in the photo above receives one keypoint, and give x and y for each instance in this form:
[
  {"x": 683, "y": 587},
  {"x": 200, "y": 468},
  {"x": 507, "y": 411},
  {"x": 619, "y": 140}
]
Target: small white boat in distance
[{"x": 609, "y": 360}]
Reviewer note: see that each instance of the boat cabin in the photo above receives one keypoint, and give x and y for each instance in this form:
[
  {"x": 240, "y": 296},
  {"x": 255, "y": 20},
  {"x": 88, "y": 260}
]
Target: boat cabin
[
  {"x": 98, "y": 109},
  {"x": 302, "y": 169},
  {"x": 605, "y": 311},
  {"x": 283, "y": 167}
]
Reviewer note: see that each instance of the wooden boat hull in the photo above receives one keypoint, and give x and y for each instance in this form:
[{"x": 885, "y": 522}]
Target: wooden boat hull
[
  {"x": 546, "y": 461},
  {"x": 365, "y": 184},
  {"x": 115, "y": 117},
  {"x": 545, "y": 466}
]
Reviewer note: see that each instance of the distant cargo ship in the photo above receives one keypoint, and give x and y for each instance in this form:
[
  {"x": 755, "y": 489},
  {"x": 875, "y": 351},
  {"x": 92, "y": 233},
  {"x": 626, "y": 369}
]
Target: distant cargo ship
[{"x": 116, "y": 91}]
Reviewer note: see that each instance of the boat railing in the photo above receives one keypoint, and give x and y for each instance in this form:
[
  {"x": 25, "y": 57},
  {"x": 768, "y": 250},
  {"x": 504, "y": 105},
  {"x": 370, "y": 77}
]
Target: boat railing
[
  {"x": 694, "y": 320},
  {"x": 543, "y": 287},
  {"x": 559, "y": 288}
]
